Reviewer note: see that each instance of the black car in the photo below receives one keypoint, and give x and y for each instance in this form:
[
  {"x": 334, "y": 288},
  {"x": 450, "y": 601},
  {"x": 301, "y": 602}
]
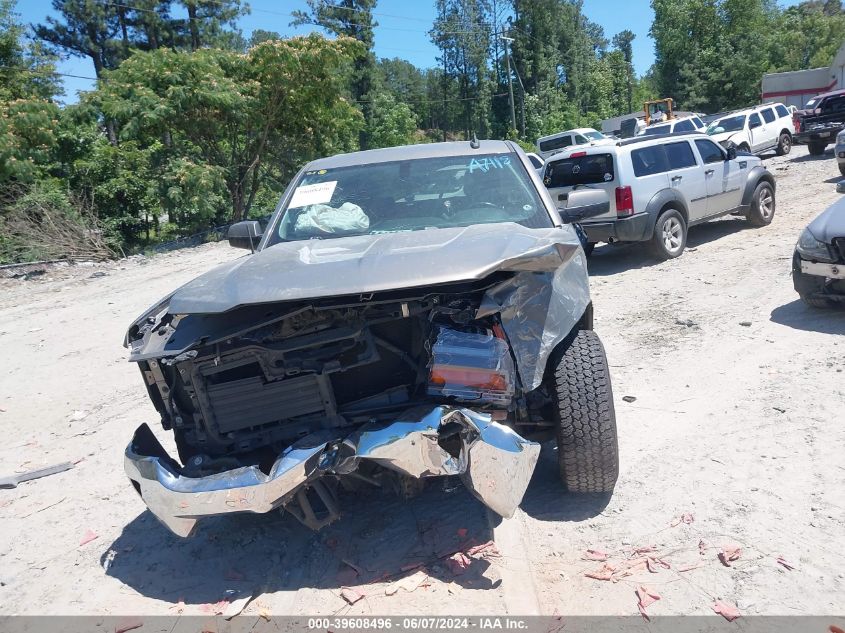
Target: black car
[{"x": 818, "y": 266}]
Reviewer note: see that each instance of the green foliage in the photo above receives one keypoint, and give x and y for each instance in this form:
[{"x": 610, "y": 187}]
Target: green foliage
[{"x": 392, "y": 123}]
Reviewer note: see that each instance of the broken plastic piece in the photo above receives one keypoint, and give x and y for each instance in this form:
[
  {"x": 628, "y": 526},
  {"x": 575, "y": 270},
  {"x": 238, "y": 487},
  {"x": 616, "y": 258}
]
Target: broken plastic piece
[
  {"x": 350, "y": 595},
  {"x": 89, "y": 536},
  {"x": 726, "y": 610},
  {"x": 458, "y": 563},
  {"x": 729, "y": 553},
  {"x": 595, "y": 554}
]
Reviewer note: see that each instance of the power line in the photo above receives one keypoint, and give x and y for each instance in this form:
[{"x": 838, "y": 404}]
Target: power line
[{"x": 35, "y": 71}]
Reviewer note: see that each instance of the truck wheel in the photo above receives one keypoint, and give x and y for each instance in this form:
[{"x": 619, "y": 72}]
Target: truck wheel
[
  {"x": 588, "y": 453},
  {"x": 816, "y": 149},
  {"x": 842, "y": 168},
  {"x": 815, "y": 302},
  {"x": 670, "y": 235},
  {"x": 784, "y": 144},
  {"x": 762, "y": 205}
]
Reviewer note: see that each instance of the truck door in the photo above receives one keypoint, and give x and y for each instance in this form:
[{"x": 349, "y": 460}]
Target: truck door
[
  {"x": 770, "y": 128},
  {"x": 686, "y": 175}
]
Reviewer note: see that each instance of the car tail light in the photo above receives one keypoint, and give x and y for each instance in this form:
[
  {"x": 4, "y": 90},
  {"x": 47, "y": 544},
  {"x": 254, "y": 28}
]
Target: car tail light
[
  {"x": 796, "y": 123},
  {"x": 624, "y": 201},
  {"x": 577, "y": 154}
]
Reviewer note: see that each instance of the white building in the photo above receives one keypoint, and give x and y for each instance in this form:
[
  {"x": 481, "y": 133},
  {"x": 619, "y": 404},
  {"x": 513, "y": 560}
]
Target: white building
[{"x": 799, "y": 86}]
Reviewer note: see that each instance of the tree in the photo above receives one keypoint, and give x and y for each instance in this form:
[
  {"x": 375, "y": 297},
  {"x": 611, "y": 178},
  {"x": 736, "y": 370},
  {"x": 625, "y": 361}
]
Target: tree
[
  {"x": 354, "y": 19},
  {"x": 623, "y": 42},
  {"x": 392, "y": 123},
  {"x": 227, "y": 122}
]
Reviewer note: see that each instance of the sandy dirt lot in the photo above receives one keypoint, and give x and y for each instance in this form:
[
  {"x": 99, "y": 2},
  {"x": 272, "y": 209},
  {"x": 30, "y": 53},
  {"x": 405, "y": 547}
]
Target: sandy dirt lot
[{"x": 735, "y": 439}]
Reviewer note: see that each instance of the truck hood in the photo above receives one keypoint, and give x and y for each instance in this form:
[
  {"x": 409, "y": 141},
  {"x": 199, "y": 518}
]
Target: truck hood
[
  {"x": 352, "y": 265},
  {"x": 721, "y": 137},
  {"x": 830, "y": 223}
]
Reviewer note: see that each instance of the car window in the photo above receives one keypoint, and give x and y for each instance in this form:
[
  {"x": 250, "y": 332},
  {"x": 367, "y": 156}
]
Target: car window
[
  {"x": 782, "y": 111},
  {"x": 658, "y": 129},
  {"x": 754, "y": 120},
  {"x": 768, "y": 115},
  {"x": 579, "y": 170},
  {"x": 595, "y": 136},
  {"x": 728, "y": 124},
  {"x": 580, "y": 140},
  {"x": 684, "y": 126},
  {"x": 679, "y": 155},
  {"x": 710, "y": 152},
  {"x": 556, "y": 143},
  {"x": 649, "y": 160},
  {"x": 811, "y": 104},
  {"x": 698, "y": 123},
  {"x": 411, "y": 195},
  {"x": 535, "y": 160},
  {"x": 834, "y": 104}
]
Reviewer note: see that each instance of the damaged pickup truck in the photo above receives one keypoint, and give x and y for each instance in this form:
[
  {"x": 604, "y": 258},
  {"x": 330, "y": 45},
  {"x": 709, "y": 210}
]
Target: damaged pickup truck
[{"x": 407, "y": 313}]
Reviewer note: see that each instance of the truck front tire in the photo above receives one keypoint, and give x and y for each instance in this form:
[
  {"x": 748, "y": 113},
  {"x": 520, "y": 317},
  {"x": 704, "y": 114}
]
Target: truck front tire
[
  {"x": 588, "y": 453},
  {"x": 816, "y": 149}
]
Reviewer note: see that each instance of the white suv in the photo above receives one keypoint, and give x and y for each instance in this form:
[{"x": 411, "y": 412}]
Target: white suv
[
  {"x": 756, "y": 130},
  {"x": 658, "y": 186},
  {"x": 554, "y": 143},
  {"x": 685, "y": 124}
]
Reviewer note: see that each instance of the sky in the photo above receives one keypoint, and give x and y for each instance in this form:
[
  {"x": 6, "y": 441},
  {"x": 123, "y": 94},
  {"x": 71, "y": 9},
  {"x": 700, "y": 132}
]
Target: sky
[{"x": 402, "y": 30}]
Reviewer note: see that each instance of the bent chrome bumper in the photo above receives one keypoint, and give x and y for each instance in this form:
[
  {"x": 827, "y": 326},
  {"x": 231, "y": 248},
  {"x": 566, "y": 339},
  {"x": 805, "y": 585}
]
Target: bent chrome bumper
[{"x": 493, "y": 461}]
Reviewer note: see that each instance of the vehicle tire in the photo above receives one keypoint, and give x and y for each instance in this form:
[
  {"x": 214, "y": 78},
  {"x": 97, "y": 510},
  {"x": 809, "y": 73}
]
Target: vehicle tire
[
  {"x": 816, "y": 149},
  {"x": 762, "y": 205},
  {"x": 842, "y": 168},
  {"x": 588, "y": 451},
  {"x": 670, "y": 235},
  {"x": 784, "y": 144},
  {"x": 816, "y": 302}
]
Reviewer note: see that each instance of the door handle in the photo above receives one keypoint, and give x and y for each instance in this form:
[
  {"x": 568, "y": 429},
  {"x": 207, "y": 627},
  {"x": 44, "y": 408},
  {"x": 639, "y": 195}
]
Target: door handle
[
  {"x": 709, "y": 172},
  {"x": 677, "y": 178},
  {"x": 743, "y": 164}
]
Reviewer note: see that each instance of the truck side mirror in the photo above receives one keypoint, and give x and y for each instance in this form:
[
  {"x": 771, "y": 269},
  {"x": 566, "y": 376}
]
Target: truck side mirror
[{"x": 245, "y": 234}]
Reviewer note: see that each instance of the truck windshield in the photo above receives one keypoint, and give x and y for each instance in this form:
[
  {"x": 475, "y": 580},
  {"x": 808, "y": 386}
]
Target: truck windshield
[
  {"x": 728, "y": 124},
  {"x": 411, "y": 195}
]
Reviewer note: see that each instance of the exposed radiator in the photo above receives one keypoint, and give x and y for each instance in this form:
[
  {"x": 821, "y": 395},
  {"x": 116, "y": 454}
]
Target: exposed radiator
[{"x": 251, "y": 402}]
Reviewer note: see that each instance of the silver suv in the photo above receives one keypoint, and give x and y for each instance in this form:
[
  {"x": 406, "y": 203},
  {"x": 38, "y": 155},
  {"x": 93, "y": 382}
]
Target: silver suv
[{"x": 659, "y": 186}]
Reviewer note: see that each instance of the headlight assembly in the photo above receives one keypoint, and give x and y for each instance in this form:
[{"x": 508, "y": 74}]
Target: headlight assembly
[{"x": 810, "y": 248}]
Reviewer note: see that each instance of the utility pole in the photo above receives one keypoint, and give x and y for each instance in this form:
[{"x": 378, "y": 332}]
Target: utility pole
[{"x": 508, "y": 40}]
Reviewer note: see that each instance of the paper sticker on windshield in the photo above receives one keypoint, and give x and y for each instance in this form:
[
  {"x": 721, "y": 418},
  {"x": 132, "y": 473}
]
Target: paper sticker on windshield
[{"x": 318, "y": 193}]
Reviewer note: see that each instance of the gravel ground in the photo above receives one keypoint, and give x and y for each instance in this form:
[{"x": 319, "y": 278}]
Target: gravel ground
[{"x": 733, "y": 440}]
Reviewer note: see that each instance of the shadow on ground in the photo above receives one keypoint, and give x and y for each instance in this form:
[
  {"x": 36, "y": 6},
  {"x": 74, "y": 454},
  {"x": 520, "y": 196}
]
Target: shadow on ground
[
  {"x": 547, "y": 500},
  {"x": 800, "y": 316},
  {"x": 828, "y": 154},
  {"x": 609, "y": 259},
  {"x": 378, "y": 537}
]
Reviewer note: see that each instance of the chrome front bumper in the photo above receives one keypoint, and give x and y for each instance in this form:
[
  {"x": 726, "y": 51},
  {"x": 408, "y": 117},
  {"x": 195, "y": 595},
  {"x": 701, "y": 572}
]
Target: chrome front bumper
[{"x": 494, "y": 462}]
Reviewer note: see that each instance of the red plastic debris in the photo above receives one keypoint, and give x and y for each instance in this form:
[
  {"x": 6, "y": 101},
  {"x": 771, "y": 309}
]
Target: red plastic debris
[
  {"x": 216, "y": 608},
  {"x": 729, "y": 553},
  {"x": 351, "y": 595},
  {"x": 595, "y": 554},
  {"x": 462, "y": 532},
  {"x": 89, "y": 536},
  {"x": 458, "y": 563},
  {"x": 834, "y": 629},
  {"x": 726, "y": 610},
  {"x": 129, "y": 624},
  {"x": 488, "y": 548},
  {"x": 646, "y": 596},
  {"x": 605, "y": 573},
  {"x": 785, "y": 563}
]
